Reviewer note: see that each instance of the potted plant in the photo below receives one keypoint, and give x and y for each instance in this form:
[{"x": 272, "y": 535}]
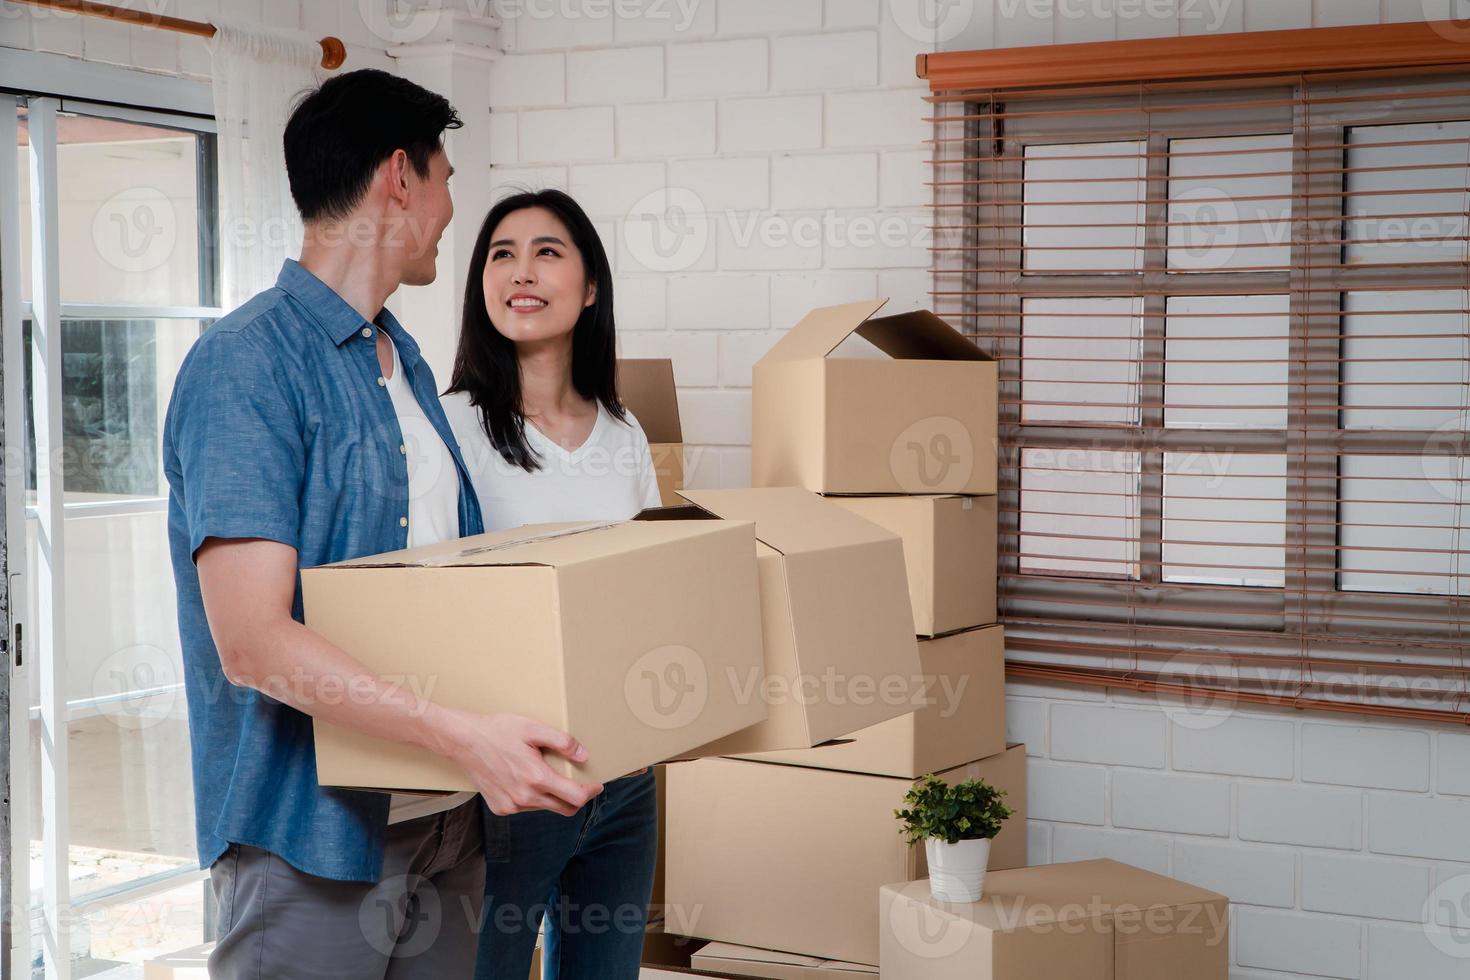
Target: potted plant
[{"x": 956, "y": 824}]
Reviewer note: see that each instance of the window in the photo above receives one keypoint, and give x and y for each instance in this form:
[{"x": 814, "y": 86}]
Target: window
[
  {"x": 1235, "y": 362},
  {"x": 124, "y": 206}
]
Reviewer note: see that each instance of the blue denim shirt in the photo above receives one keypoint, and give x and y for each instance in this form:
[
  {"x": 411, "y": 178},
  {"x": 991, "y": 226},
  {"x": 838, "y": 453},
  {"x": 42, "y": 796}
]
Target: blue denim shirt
[{"x": 279, "y": 428}]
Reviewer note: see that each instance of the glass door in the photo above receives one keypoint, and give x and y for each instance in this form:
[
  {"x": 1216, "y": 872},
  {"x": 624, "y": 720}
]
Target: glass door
[{"x": 116, "y": 269}]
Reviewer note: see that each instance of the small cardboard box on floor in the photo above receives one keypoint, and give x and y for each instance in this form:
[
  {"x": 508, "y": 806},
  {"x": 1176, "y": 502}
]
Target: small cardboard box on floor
[
  {"x": 1088, "y": 920},
  {"x": 840, "y": 653},
  {"x": 728, "y": 959},
  {"x": 790, "y": 858},
  {"x": 964, "y": 716},
  {"x": 580, "y": 626},
  {"x": 949, "y": 551},
  {"x": 646, "y": 387},
  {"x": 920, "y": 420}
]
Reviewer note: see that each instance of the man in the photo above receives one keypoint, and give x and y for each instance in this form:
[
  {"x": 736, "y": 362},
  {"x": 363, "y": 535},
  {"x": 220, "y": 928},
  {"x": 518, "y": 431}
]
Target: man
[{"x": 305, "y": 429}]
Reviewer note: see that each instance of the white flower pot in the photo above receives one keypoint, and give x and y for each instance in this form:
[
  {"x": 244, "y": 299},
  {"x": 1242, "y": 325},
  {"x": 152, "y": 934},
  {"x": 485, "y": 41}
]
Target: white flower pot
[{"x": 957, "y": 871}]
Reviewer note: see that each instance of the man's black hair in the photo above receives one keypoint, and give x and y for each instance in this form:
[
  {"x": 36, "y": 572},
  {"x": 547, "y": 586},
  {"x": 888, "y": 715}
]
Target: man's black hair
[{"x": 342, "y": 130}]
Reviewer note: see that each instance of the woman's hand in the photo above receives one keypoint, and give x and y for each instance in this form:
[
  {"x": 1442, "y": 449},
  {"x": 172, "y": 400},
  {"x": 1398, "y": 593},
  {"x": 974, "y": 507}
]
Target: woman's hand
[{"x": 502, "y": 755}]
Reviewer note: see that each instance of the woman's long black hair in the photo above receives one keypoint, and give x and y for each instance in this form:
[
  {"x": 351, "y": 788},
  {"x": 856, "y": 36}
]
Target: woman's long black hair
[{"x": 486, "y": 365}]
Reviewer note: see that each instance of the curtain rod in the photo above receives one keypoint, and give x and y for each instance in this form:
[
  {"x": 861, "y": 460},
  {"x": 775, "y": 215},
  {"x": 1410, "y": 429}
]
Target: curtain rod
[{"x": 334, "y": 52}]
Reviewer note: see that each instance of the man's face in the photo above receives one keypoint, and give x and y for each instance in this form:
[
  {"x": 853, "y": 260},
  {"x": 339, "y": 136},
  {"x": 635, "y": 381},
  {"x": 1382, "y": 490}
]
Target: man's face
[{"x": 429, "y": 211}]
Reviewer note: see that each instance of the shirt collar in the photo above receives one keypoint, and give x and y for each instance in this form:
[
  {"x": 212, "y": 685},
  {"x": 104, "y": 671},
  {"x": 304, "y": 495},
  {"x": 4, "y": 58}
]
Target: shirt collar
[{"x": 334, "y": 314}]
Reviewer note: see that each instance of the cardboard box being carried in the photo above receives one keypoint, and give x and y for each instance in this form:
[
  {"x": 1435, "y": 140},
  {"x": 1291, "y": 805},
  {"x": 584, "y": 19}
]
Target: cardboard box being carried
[
  {"x": 964, "y": 716},
  {"x": 789, "y": 858},
  {"x": 1089, "y": 920},
  {"x": 620, "y": 633},
  {"x": 921, "y": 420},
  {"x": 746, "y": 961},
  {"x": 949, "y": 550},
  {"x": 646, "y": 387},
  {"x": 840, "y": 653}
]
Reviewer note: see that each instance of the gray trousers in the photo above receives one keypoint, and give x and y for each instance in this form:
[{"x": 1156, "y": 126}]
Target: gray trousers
[{"x": 422, "y": 920}]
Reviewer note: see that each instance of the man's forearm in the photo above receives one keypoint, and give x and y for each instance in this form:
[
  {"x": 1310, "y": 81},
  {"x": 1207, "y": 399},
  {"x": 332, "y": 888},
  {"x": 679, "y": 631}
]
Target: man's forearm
[{"x": 301, "y": 668}]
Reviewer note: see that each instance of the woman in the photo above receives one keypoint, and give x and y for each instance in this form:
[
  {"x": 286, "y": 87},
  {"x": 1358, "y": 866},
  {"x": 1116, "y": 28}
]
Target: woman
[{"x": 533, "y": 403}]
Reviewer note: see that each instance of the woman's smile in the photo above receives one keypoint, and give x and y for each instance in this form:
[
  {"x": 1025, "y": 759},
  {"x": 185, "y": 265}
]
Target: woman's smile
[{"x": 526, "y": 303}]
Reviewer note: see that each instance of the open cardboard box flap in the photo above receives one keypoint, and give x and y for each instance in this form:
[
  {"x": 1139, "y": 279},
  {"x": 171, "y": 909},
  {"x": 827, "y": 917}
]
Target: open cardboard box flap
[
  {"x": 646, "y": 387},
  {"x": 917, "y": 335},
  {"x": 921, "y": 419}
]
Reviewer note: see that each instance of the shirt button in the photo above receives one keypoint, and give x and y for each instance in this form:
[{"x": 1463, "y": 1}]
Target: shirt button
[
  {"x": 367, "y": 331},
  {"x": 402, "y": 449},
  {"x": 403, "y": 522},
  {"x": 382, "y": 381}
]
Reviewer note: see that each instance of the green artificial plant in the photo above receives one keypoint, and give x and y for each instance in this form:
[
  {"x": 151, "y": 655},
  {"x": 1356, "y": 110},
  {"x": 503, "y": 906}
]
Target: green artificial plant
[{"x": 971, "y": 810}]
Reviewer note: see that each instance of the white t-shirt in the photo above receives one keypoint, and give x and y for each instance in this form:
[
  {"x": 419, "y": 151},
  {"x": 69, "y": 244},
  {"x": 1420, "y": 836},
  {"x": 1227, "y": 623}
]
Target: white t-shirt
[
  {"x": 433, "y": 516},
  {"x": 609, "y": 477}
]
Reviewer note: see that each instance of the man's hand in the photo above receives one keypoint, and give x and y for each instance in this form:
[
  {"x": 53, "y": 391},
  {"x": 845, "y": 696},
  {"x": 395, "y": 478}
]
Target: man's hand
[{"x": 502, "y": 755}]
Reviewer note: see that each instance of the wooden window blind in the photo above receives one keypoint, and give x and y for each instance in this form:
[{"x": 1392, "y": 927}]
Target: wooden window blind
[{"x": 1227, "y": 282}]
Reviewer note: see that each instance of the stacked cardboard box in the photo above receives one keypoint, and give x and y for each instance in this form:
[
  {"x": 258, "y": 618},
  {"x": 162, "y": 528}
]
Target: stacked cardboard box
[
  {"x": 790, "y": 858},
  {"x": 780, "y": 852},
  {"x": 1089, "y": 920},
  {"x": 646, "y": 387}
]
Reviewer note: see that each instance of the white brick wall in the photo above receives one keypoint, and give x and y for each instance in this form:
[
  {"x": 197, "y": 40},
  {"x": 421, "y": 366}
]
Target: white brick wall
[
  {"x": 167, "y": 53},
  {"x": 780, "y": 115},
  {"x": 1365, "y": 756},
  {"x": 789, "y": 133}
]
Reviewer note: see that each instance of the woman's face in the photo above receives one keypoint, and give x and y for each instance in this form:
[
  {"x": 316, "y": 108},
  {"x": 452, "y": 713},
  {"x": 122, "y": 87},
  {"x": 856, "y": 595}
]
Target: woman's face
[{"x": 535, "y": 283}]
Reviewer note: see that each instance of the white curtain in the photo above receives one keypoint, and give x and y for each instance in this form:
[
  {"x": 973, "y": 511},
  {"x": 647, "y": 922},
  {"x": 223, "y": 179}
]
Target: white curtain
[{"x": 257, "y": 78}]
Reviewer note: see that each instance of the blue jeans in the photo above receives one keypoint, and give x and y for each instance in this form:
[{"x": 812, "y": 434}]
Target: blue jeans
[{"x": 593, "y": 872}]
